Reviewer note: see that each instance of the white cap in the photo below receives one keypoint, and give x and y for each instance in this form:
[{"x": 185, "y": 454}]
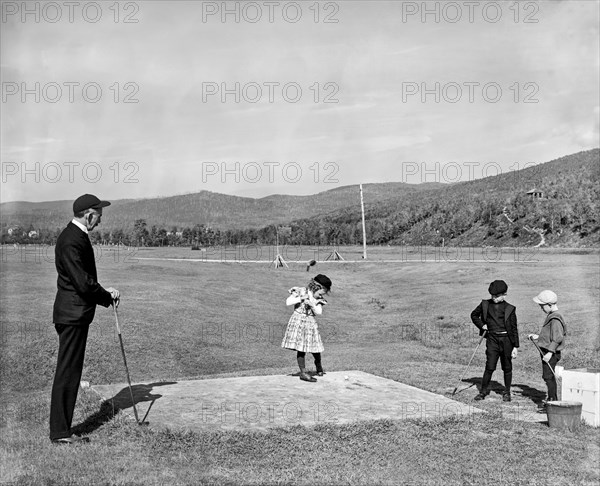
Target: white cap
[{"x": 546, "y": 297}]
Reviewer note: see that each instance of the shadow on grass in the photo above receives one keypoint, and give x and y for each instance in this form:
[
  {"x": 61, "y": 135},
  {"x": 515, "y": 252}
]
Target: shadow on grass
[
  {"x": 494, "y": 387},
  {"x": 110, "y": 408},
  {"x": 535, "y": 395}
]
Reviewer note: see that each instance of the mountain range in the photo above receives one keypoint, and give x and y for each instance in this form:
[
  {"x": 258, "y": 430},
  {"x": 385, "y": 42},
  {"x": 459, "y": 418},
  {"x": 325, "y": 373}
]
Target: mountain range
[
  {"x": 554, "y": 203},
  {"x": 212, "y": 209}
]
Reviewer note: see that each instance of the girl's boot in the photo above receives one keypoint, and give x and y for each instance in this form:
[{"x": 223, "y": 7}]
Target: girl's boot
[{"x": 304, "y": 376}]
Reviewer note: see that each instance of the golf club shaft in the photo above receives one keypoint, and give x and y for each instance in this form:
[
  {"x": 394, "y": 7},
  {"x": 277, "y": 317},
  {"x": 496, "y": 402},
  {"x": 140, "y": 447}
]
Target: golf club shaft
[
  {"x": 125, "y": 363},
  {"x": 469, "y": 364},
  {"x": 542, "y": 355}
]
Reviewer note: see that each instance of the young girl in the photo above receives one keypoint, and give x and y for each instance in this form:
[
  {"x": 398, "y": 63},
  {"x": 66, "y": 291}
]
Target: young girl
[{"x": 302, "y": 333}]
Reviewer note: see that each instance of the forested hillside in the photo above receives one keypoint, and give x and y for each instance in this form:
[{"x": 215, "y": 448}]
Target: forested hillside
[
  {"x": 492, "y": 211},
  {"x": 495, "y": 211},
  {"x": 218, "y": 211}
]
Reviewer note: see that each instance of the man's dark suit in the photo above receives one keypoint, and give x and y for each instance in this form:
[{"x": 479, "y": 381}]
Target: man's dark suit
[{"x": 74, "y": 307}]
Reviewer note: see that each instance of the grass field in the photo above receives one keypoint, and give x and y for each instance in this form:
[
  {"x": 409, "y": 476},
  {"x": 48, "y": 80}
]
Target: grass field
[{"x": 403, "y": 314}]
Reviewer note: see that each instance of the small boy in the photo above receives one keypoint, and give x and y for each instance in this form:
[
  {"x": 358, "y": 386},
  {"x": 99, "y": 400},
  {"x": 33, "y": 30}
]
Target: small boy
[
  {"x": 499, "y": 319},
  {"x": 551, "y": 339}
]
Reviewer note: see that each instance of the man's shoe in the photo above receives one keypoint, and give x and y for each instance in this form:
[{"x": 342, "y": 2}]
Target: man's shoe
[
  {"x": 480, "y": 396},
  {"x": 74, "y": 439},
  {"x": 305, "y": 377},
  {"x": 506, "y": 397},
  {"x": 320, "y": 373}
]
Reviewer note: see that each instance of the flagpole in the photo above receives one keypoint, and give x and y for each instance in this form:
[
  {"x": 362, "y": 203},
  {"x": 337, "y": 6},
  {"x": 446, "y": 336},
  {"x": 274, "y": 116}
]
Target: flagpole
[{"x": 362, "y": 207}]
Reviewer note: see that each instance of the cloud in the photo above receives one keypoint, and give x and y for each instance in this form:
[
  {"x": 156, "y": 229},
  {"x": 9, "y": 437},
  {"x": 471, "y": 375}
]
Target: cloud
[
  {"x": 393, "y": 142},
  {"x": 368, "y": 55}
]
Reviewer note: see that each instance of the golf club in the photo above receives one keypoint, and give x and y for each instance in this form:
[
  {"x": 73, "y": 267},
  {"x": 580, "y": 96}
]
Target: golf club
[
  {"x": 542, "y": 355},
  {"x": 462, "y": 376},
  {"x": 126, "y": 368},
  {"x": 147, "y": 412}
]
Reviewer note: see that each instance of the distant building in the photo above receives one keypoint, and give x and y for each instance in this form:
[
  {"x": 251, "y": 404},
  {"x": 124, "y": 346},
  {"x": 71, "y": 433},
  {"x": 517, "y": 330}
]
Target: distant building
[{"x": 535, "y": 194}]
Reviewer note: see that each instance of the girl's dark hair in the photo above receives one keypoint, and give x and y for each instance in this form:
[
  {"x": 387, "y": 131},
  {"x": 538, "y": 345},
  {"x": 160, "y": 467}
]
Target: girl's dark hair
[{"x": 314, "y": 286}]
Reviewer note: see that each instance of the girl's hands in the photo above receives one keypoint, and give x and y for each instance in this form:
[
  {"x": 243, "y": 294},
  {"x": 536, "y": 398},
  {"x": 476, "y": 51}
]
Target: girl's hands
[{"x": 308, "y": 300}]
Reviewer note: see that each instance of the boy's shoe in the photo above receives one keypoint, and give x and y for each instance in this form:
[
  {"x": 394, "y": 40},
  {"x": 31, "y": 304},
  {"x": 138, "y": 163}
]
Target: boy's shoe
[
  {"x": 506, "y": 397},
  {"x": 480, "y": 396},
  {"x": 543, "y": 408},
  {"x": 320, "y": 373}
]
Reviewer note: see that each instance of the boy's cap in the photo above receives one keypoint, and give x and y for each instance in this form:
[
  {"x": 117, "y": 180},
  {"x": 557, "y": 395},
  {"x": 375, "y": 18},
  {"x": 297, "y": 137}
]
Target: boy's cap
[
  {"x": 324, "y": 281},
  {"x": 546, "y": 297},
  {"x": 88, "y": 201},
  {"x": 497, "y": 287}
]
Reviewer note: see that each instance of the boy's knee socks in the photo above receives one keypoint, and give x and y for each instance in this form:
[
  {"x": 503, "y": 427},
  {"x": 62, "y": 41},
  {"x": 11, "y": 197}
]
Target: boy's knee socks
[
  {"x": 507, "y": 380},
  {"x": 552, "y": 389},
  {"x": 485, "y": 383}
]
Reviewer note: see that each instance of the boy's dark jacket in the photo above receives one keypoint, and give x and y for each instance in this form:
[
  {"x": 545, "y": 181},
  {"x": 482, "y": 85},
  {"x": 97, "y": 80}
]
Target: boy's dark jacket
[{"x": 480, "y": 314}]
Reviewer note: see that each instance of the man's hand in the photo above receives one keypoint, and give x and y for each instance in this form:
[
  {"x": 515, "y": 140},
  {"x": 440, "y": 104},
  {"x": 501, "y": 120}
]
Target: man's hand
[
  {"x": 547, "y": 357},
  {"x": 532, "y": 337},
  {"x": 116, "y": 296},
  {"x": 513, "y": 354},
  {"x": 484, "y": 327}
]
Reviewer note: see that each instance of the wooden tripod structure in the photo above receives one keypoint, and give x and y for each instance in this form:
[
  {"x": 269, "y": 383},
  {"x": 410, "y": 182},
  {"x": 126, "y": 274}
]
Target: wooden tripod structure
[{"x": 279, "y": 261}]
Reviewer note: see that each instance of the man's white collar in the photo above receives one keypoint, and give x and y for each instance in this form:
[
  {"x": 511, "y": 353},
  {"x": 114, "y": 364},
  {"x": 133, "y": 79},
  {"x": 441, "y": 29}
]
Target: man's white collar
[{"x": 80, "y": 226}]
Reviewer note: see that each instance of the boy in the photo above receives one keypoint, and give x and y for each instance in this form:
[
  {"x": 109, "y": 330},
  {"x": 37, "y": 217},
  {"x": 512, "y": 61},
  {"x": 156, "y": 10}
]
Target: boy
[
  {"x": 551, "y": 339},
  {"x": 499, "y": 319}
]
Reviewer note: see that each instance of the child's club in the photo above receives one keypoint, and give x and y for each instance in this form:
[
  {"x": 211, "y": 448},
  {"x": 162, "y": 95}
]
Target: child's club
[
  {"x": 126, "y": 368},
  {"x": 542, "y": 355},
  {"x": 463, "y": 375}
]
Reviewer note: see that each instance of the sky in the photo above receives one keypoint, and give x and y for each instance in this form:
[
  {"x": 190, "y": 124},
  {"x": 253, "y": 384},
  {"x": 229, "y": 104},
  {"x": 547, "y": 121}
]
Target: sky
[{"x": 155, "y": 98}]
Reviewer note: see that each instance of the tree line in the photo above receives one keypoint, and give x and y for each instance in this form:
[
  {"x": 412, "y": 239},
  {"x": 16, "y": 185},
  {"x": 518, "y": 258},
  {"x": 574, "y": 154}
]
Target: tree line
[{"x": 496, "y": 211}]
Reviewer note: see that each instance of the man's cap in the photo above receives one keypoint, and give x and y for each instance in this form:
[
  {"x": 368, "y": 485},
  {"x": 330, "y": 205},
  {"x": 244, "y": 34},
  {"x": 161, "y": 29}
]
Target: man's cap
[
  {"x": 546, "y": 297},
  {"x": 324, "y": 281},
  {"x": 497, "y": 287},
  {"x": 88, "y": 201}
]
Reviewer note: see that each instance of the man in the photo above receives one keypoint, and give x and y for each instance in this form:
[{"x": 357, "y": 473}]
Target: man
[
  {"x": 551, "y": 340},
  {"x": 499, "y": 319},
  {"x": 74, "y": 307}
]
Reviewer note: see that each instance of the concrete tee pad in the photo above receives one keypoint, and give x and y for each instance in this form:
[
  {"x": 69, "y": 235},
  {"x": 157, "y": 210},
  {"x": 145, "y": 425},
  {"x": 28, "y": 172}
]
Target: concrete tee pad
[{"x": 263, "y": 402}]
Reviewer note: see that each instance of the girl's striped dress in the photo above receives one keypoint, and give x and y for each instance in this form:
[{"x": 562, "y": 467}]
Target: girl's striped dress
[{"x": 302, "y": 333}]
